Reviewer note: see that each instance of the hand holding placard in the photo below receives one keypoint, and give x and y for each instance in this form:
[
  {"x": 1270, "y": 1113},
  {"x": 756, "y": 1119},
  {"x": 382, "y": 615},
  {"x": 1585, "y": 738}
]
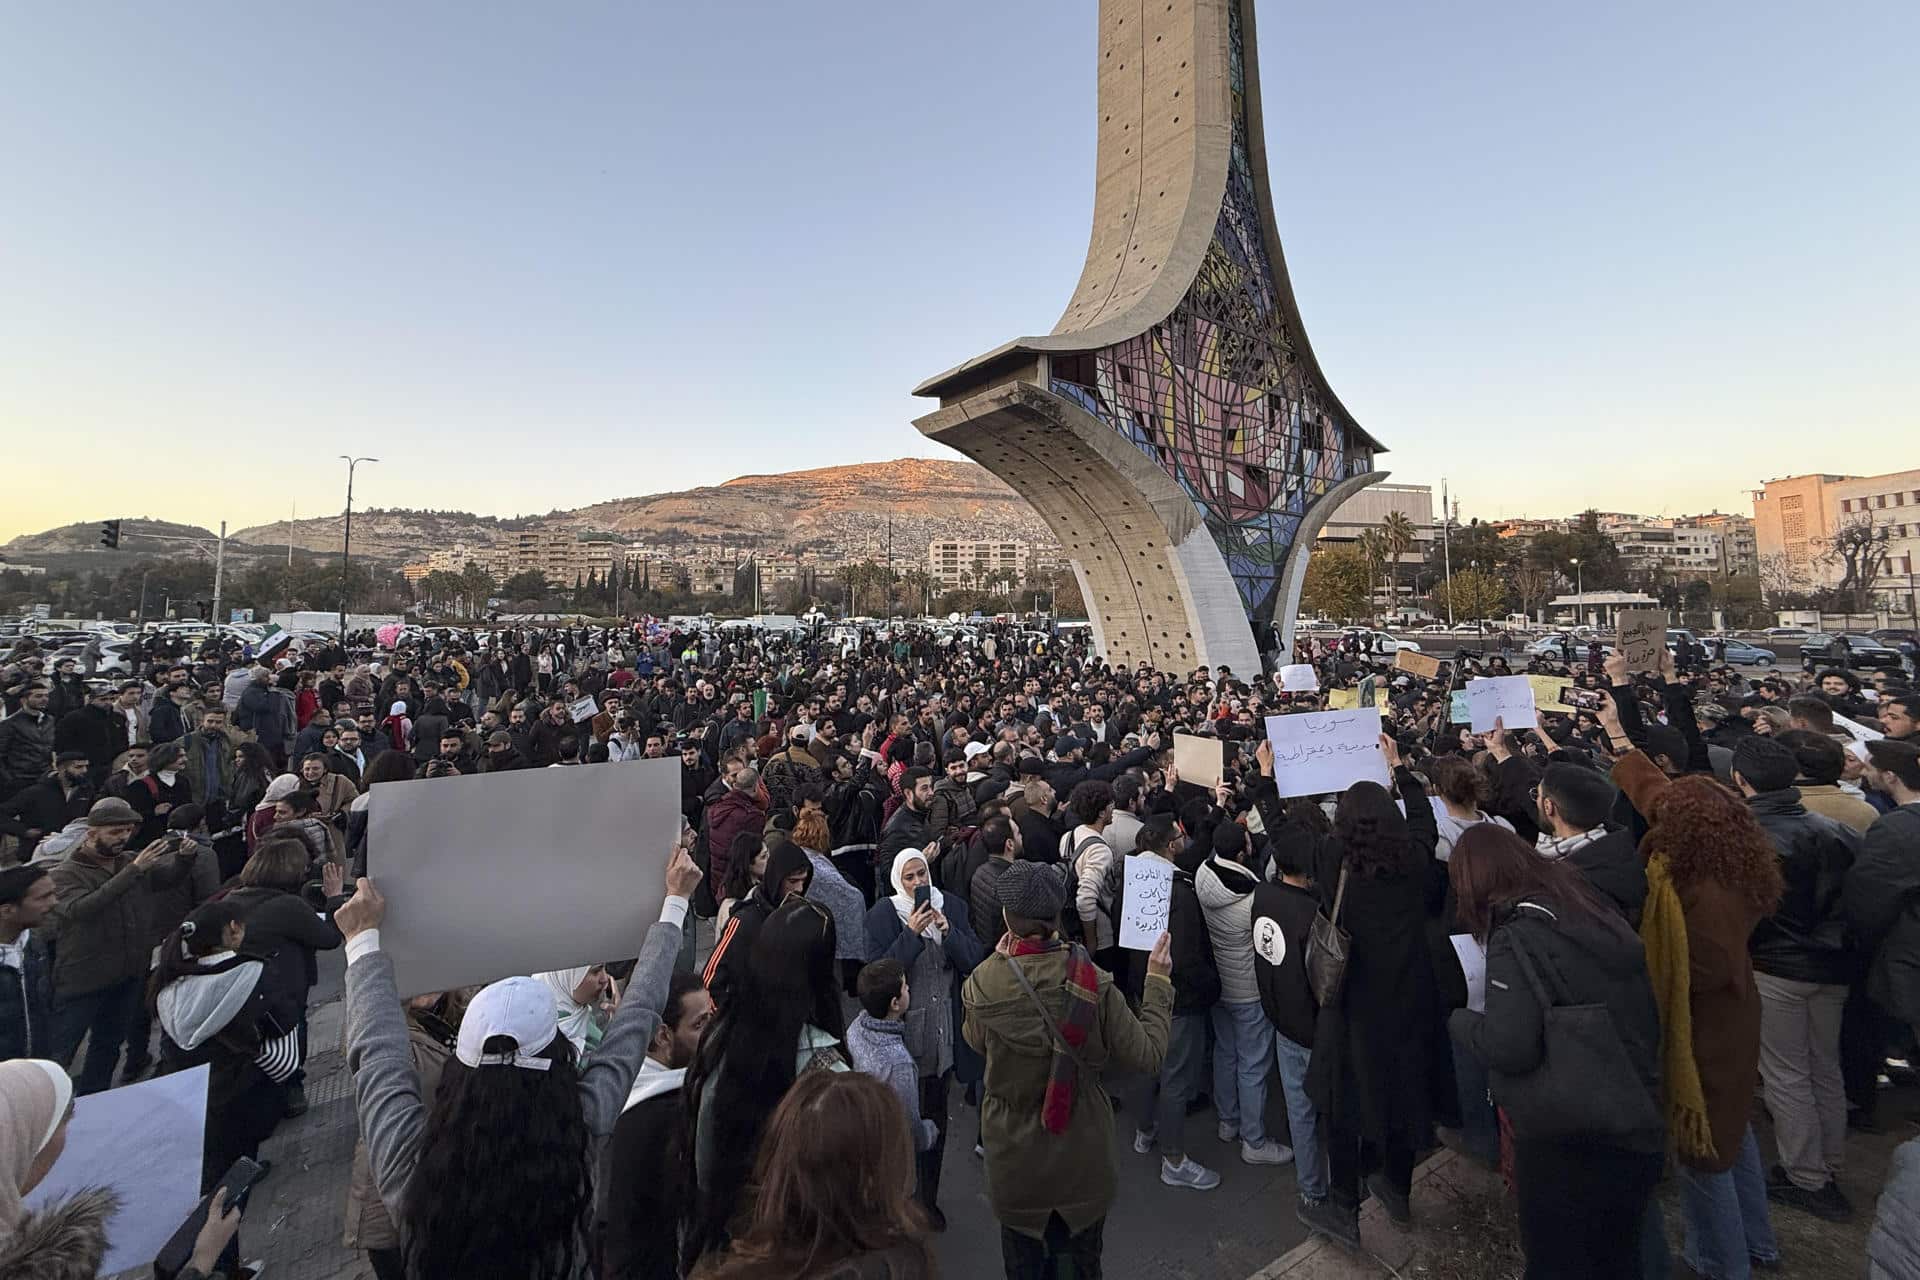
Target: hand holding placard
[
  {"x": 1507, "y": 698},
  {"x": 1321, "y": 751},
  {"x": 1643, "y": 637}
]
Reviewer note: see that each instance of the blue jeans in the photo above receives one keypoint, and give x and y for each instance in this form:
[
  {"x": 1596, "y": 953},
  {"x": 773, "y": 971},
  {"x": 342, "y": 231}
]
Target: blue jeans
[
  {"x": 1726, "y": 1217},
  {"x": 1479, "y": 1125},
  {"x": 1242, "y": 1055},
  {"x": 1303, "y": 1122},
  {"x": 101, "y": 1018},
  {"x": 1159, "y": 1103}
]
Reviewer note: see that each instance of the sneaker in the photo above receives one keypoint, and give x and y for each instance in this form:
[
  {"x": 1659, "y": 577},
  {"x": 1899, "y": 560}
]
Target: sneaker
[
  {"x": 1228, "y": 1131},
  {"x": 1268, "y": 1152},
  {"x": 1188, "y": 1173},
  {"x": 1390, "y": 1199},
  {"x": 1325, "y": 1218},
  {"x": 296, "y": 1100},
  {"x": 1827, "y": 1203},
  {"x": 1143, "y": 1140}
]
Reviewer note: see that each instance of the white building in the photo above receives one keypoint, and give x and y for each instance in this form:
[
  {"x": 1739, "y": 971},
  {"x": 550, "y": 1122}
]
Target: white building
[{"x": 952, "y": 562}]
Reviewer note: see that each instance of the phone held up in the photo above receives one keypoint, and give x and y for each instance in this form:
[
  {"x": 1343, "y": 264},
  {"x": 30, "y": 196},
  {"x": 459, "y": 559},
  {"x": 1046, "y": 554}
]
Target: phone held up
[{"x": 231, "y": 1191}]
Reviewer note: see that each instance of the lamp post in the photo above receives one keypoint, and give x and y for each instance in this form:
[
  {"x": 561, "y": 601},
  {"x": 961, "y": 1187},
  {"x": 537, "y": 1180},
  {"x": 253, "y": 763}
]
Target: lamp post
[
  {"x": 346, "y": 545},
  {"x": 1580, "y": 595}
]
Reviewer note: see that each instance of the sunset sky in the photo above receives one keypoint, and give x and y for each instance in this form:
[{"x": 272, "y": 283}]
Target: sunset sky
[{"x": 1639, "y": 255}]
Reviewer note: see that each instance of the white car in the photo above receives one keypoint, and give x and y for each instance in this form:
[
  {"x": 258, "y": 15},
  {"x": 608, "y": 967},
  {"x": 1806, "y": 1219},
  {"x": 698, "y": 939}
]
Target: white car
[{"x": 1381, "y": 643}]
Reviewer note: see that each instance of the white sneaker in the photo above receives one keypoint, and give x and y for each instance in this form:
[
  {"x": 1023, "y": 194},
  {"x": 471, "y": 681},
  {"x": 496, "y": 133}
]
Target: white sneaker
[
  {"x": 1229, "y": 1132},
  {"x": 1143, "y": 1140},
  {"x": 1268, "y": 1152},
  {"x": 1188, "y": 1173}
]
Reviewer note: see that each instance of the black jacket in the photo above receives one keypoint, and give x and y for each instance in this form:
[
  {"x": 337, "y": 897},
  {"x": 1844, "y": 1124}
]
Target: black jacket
[
  {"x": 1196, "y": 982},
  {"x": 26, "y": 749},
  {"x": 905, "y": 829},
  {"x": 645, "y": 1183},
  {"x": 44, "y": 807},
  {"x": 1612, "y": 865},
  {"x": 26, "y": 1004},
  {"x": 1579, "y": 963},
  {"x": 282, "y": 926},
  {"x": 1882, "y": 902},
  {"x": 1806, "y": 938},
  {"x": 164, "y": 722},
  {"x": 1282, "y": 915},
  {"x": 102, "y": 735}
]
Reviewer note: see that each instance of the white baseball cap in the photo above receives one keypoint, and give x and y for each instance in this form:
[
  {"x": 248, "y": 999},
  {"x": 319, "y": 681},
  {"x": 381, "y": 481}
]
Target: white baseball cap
[{"x": 519, "y": 1008}]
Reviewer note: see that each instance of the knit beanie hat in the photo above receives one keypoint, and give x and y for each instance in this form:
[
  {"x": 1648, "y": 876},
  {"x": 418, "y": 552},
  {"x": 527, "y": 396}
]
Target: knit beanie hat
[{"x": 1033, "y": 890}]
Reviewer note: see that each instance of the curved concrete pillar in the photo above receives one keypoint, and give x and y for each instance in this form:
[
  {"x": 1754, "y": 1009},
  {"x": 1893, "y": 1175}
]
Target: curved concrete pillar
[{"x": 1174, "y": 430}]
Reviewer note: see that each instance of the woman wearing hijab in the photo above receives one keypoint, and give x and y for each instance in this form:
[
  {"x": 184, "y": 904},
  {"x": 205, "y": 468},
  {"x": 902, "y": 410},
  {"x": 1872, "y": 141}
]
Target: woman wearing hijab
[
  {"x": 583, "y": 998},
  {"x": 261, "y": 820},
  {"x": 934, "y": 942},
  {"x": 397, "y": 727},
  {"x": 65, "y": 1241}
]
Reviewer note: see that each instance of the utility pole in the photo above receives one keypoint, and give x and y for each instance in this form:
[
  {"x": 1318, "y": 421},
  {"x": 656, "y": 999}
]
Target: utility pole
[
  {"x": 293, "y": 514},
  {"x": 1446, "y": 549},
  {"x": 346, "y": 546},
  {"x": 219, "y": 576}
]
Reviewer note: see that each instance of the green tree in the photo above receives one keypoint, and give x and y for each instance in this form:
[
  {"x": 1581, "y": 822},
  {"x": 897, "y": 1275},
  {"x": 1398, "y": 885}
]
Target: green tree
[
  {"x": 1600, "y": 567},
  {"x": 1398, "y": 536},
  {"x": 528, "y": 584},
  {"x": 1473, "y": 593},
  {"x": 1372, "y": 546},
  {"x": 1339, "y": 583}
]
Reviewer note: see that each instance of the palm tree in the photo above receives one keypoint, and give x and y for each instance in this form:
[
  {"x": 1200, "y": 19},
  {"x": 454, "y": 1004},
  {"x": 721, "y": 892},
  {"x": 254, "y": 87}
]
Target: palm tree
[
  {"x": 1372, "y": 546},
  {"x": 1398, "y": 535}
]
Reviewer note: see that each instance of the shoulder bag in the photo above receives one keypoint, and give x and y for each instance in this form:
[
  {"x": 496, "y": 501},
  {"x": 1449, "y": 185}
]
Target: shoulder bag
[{"x": 1328, "y": 946}]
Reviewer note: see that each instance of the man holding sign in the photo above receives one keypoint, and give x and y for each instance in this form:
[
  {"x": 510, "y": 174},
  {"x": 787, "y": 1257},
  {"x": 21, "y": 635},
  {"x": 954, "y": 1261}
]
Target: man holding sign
[{"x": 1321, "y": 751}]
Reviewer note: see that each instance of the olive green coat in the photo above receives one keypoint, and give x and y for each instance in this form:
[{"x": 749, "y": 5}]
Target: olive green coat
[{"x": 1032, "y": 1174}]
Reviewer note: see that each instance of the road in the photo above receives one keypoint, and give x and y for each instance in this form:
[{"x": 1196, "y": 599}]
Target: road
[{"x": 1154, "y": 1231}]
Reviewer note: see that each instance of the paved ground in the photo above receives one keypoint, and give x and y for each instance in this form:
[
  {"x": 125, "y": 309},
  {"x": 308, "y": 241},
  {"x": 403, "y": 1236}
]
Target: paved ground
[{"x": 1154, "y": 1230}]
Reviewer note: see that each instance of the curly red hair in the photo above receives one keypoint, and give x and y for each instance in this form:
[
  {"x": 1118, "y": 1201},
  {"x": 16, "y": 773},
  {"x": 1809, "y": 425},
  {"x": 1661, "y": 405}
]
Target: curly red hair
[{"x": 1706, "y": 832}]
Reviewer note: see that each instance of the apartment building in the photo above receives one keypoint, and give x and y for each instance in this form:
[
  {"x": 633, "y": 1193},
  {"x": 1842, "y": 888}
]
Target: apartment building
[
  {"x": 952, "y": 562},
  {"x": 1663, "y": 545},
  {"x": 1796, "y": 517}
]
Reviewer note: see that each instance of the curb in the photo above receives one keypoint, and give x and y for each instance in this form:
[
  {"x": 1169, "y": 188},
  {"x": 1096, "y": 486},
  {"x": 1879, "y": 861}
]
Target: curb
[{"x": 1388, "y": 1248}]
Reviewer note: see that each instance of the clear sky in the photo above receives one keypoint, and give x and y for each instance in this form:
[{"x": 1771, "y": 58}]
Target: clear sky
[{"x": 1639, "y": 255}]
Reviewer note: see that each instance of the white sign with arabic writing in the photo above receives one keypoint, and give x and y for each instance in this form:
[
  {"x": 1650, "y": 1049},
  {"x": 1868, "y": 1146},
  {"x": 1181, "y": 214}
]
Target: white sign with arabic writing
[
  {"x": 1326, "y": 751},
  {"x": 1146, "y": 901}
]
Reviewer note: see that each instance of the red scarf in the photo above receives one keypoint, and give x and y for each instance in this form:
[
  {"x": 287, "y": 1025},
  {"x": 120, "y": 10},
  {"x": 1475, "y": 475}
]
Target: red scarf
[{"x": 1083, "y": 995}]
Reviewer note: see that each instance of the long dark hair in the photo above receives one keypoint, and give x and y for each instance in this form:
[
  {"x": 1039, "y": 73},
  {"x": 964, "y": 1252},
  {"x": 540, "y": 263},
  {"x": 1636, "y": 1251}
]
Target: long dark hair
[
  {"x": 503, "y": 1188},
  {"x": 740, "y": 855},
  {"x": 835, "y": 1181},
  {"x": 1372, "y": 832},
  {"x": 748, "y": 1054},
  {"x": 201, "y": 934},
  {"x": 1491, "y": 868}
]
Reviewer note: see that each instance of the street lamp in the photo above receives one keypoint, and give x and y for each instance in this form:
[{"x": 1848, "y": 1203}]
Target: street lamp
[
  {"x": 1580, "y": 595},
  {"x": 346, "y": 546}
]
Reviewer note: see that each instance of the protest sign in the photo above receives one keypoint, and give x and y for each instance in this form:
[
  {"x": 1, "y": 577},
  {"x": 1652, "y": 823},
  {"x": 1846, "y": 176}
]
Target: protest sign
[
  {"x": 1349, "y": 699},
  {"x": 1457, "y": 710},
  {"x": 1473, "y": 966},
  {"x": 1418, "y": 664},
  {"x": 1198, "y": 760},
  {"x": 1860, "y": 733},
  {"x": 1146, "y": 900},
  {"x": 1326, "y": 751},
  {"x": 1546, "y": 690},
  {"x": 1299, "y": 677},
  {"x": 1643, "y": 637},
  {"x": 1508, "y": 699},
  {"x": 143, "y": 1143},
  {"x": 585, "y": 709},
  {"x": 520, "y": 872}
]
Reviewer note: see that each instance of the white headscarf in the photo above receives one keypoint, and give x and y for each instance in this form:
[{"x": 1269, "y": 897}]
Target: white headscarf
[
  {"x": 903, "y": 901},
  {"x": 33, "y": 1101},
  {"x": 576, "y": 1019},
  {"x": 279, "y": 789}
]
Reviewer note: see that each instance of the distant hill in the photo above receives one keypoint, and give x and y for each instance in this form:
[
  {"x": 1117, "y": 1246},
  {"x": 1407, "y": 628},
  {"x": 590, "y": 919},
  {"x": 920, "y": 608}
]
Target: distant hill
[{"x": 846, "y": 508}]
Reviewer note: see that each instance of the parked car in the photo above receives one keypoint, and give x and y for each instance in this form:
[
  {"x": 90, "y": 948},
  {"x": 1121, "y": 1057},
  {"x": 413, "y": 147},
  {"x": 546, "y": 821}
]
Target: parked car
[
  {"x": 1379, "y": 642},
  {"x": 1551, "y": 644},
  {"x": 1901, "y": 638},
  {"x": 1743, "y": 654},
  {"x": 1851, "y": 649},
  {"x": 113, "y": 657}
]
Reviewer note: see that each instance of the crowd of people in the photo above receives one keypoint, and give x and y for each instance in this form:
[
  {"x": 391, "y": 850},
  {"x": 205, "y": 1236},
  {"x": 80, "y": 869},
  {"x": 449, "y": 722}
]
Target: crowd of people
[{"x": 1687, "y": 888}]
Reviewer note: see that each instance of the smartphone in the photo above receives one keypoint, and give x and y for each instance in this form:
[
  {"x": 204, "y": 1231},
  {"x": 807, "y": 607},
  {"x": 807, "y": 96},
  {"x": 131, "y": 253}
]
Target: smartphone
[
  {"x": 232, "y": 1190},
  {"x": 922, "y": 896},
  {"x": 1584, "y": 699}
]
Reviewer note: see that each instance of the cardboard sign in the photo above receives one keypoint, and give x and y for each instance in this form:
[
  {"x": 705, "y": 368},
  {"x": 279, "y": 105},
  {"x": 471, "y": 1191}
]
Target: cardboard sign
[
  {"x": 1198, "y": 760},
  {"x": 143, "y": 1142},
  {"x": 1320, "y": 751},
  {"x": 1417, "y": 664},
  {"x": 1508, "y": 699},
  {"x": 1643, "y": 637},
  {"x": 521, "y": 872},
  {"x": 1547, "y": 690},
  {"x": 1349, "y": 699},
  {"x": 1299, "y": 677},
  {"x": 585, "y": 709},
  {"x": 1146, "y": 901}
]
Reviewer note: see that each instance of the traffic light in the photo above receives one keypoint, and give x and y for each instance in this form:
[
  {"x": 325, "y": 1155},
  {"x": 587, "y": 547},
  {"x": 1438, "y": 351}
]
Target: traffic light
[{"x": 110, "y": 534}]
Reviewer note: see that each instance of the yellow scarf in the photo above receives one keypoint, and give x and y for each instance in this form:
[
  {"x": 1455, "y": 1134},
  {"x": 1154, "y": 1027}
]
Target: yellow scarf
[{"x": 1663, "y": 929}]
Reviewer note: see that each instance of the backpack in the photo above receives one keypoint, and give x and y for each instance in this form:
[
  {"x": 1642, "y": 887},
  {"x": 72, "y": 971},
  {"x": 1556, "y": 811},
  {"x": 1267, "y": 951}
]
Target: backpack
[{"x": 1111, "y": 890}]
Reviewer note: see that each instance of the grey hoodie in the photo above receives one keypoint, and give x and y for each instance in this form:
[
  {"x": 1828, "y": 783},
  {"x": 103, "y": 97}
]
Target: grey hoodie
[{"x": 1225, "y": 890}]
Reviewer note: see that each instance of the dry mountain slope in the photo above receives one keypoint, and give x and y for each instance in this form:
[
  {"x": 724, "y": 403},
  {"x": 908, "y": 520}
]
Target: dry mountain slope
[{"x": 846, "y": 508}]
